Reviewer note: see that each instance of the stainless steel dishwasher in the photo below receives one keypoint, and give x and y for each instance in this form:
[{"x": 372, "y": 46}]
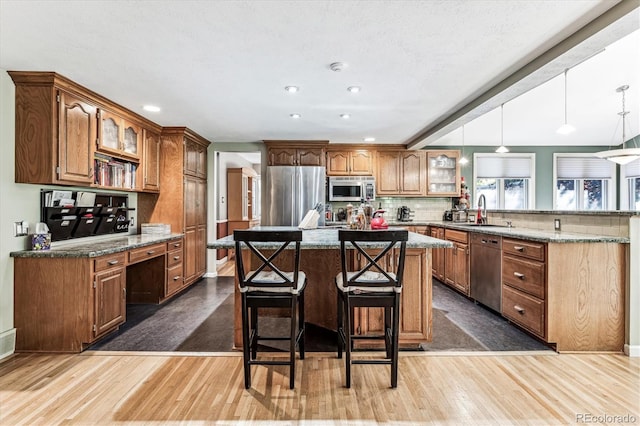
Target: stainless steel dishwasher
[{"x": 485, "y": 270}]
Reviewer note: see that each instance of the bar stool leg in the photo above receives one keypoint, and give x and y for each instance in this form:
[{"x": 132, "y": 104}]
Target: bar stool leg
[
  {"x": 292, "y": 343},
  {"x": 347, "y": 333},
  {"x": 254, "y": 328},
  {"x": 301, "y": 324},
  {"x": 245, "y": 343},
  {"x": 395, "y": 330},
  {"x": 340, "y": 326},
  {"x": 388, "y": 345}
]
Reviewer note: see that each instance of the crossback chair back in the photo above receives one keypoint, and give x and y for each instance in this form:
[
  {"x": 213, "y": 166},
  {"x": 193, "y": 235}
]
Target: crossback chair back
[
  {"x": 372, "y": 274},
  {"x": 267, "y": 275}
]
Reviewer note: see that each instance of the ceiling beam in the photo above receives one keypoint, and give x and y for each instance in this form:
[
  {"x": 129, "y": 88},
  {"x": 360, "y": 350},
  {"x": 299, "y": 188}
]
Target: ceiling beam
[{"x": 617, "y": 22}]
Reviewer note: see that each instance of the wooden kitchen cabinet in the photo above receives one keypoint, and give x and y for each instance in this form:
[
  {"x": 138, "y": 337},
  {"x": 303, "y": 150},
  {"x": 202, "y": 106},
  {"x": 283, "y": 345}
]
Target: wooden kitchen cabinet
[
  {"x": 443, "y": 173},
  {"x": 66, "y": 304},
  {"x": 151, "y": 163},
  {"x": 110, "y": 300},
  {"x": 240, "y": 193},
  {"x": 456, "y": 261},
  {"x": 351, "y": 162},
  {"x": 182, "y": 202},
  {"x": 60, "y": 133},
  {"x": 401, "y": 173},
  {"x": 295, "y": 153},
  {"x": 524, "y": 284},
  {"x": 437, "y": 254},
  {"x": 118, "y": 136},
  {"x": 415, "y": 304}
]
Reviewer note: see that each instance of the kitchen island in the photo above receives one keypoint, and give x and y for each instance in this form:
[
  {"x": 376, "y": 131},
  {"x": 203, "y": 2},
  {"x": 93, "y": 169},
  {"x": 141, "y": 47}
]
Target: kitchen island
[{"x": 320, "y": 260}]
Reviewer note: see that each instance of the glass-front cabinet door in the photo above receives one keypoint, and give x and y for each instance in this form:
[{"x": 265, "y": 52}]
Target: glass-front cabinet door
[
  {"x": 118, "y": 136},
  {"x": 443, "y": 173}
]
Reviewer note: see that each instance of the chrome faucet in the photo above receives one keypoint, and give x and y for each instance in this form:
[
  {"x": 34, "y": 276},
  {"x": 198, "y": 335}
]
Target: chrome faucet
[{"x": 482, "y": 209}]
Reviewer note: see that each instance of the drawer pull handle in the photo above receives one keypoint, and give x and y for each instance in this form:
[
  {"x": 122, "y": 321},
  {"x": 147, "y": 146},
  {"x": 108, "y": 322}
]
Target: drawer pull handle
[
  {"x": 519, "y": 275},
  {"x": 518, "y": 248},
  {"x": 176, "y": 244},
  {"x": 150, "y": 252},
  {"x": 113, "y": 262},
  {"x": 176, "y": 257},
  {"x": 519, "y": 309},
  {"x": 176, "y": 278}
]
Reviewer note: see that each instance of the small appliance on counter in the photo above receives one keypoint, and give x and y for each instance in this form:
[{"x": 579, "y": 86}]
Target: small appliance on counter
[
  {"x": 459, "y": 215},
  {"x": 378, "y": 222},
  {"x": 404, "y": 214},
  {"x": 447, "y": 216}
]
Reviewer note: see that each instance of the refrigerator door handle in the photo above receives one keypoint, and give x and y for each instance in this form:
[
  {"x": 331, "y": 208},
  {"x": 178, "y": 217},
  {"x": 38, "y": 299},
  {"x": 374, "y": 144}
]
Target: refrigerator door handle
[{"x": 293, "y": 199}]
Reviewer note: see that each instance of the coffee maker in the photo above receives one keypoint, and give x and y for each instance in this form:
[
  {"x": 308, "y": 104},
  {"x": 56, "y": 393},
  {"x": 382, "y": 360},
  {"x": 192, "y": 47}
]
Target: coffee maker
[{"x": 404, "y": 214}]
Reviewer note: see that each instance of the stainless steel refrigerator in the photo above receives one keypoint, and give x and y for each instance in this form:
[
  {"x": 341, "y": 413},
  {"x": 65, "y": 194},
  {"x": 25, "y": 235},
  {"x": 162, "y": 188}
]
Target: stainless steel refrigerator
[{"x": 291, "y": 192}]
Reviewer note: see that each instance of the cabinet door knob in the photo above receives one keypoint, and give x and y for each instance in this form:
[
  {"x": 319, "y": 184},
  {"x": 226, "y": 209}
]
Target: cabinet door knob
[
  {"x": 176, "y": 278},
  {"x": 176, "y": 257},
  {"x": 519, "y": 275}
]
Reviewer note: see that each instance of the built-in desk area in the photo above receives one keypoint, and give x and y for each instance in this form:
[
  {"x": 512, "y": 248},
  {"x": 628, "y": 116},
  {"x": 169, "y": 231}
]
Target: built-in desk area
[{"x": 68, "y": 297}]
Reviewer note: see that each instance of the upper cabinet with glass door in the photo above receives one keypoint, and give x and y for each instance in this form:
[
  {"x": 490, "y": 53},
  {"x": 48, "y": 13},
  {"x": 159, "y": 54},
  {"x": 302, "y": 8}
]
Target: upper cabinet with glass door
[
  {"x": 443, "y": 173},
  {"x": 118, "y": 136}
]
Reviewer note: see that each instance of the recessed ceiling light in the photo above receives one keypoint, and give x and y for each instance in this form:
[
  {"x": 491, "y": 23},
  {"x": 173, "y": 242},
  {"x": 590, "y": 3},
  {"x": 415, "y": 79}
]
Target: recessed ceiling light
[
  {"x": 353, "y": 89},
  {"x": 292, "y": 89},
  {"x": 345, "y": 116},
  {"x": 295, "y": 115},
  {"x": 151, "y": 108},
  {"x": 369, "y": 139}
]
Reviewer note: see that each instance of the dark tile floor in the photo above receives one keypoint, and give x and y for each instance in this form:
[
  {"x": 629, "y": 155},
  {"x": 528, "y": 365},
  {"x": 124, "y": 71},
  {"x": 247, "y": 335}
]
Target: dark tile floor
[{"x": 195, "y": 321}]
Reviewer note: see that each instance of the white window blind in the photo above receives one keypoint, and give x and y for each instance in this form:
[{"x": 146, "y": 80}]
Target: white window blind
[
  {"x": 584, "y": 168},
  {"x": 503, "y": 167},
  {"x": 632, "y": 169}
]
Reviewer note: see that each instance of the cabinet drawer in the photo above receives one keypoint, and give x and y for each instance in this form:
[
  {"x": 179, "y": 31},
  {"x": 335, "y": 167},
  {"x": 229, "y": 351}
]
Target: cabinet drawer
[
  {"x": 148, "y": 252},
  {"x": 175, "y": 280},
  {"x": 453, "y": 235},
  {"x": 523, "y": 309},
  {"x": 110, "y": 261},
  {"x": 173, "y": 245},
  {"x": 525, "y": 275},
  {"x": 174, "y": 257},
  {"x": 524, "y": 248}
]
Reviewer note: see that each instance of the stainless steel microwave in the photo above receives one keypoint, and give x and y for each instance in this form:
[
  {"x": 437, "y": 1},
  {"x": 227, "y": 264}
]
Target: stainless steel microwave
[{"x": 352, "y": 188}]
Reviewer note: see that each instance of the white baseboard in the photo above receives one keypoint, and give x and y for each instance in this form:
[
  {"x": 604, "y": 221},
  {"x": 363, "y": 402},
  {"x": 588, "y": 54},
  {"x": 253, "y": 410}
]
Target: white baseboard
[
  {"x": 7, "y": 343},
  {"x": 633, "y": 351},
  {"x": 223, "y": 260},
  {"x": 210, "y": 275}
]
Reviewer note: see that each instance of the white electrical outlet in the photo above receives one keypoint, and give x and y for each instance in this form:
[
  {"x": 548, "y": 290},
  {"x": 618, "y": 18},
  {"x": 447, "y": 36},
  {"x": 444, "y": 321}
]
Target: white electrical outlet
[{"x": 556, "y": 224}]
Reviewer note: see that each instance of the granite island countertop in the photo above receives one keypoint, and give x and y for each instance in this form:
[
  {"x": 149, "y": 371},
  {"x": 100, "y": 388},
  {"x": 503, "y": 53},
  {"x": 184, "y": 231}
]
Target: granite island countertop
[
  {"x": 514, "y": 232},
  {"x": 327, "y": 238},
  {"x": 96, "y": 248}
]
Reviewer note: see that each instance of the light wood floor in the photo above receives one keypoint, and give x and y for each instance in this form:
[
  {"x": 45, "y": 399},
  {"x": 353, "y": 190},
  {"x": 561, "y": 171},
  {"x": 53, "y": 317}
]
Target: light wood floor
[
  {"x": 227, "y": 269},
  {"x": 108, "y": 388}
]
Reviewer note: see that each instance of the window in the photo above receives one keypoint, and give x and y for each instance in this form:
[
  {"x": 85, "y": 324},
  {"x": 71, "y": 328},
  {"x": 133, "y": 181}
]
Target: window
[
  {"x": 583, "y": 182},
  {"x": 630, "y": 179},
  {"x": 506, "y": 180}
]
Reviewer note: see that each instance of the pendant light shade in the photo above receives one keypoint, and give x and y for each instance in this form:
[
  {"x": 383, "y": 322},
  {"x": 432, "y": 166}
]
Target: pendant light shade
[
  {"x": 624, "y": 155},
  {"x": 463, "y": 159},
  {"x": 502, "y": 149},
  {"x": 566, "y": 128}
]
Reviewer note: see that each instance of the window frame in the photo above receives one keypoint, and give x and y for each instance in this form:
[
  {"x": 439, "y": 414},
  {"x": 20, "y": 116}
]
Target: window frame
[
  {"x": 530, "y": 184},
  {"x": 611, "y": 186}
]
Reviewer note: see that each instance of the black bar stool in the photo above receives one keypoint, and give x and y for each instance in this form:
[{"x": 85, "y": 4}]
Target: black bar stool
[
  {"x": 268, "y": 286},
  {"x": 371, "y": 284}
]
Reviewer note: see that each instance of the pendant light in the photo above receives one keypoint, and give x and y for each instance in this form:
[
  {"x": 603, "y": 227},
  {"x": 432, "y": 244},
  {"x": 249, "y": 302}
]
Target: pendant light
[
  {"x": 463, "y": 159},
  {"x": 624, "y": 155},
  {"x": 502, "y": 149},
  {"x": 566, "y": 128}
]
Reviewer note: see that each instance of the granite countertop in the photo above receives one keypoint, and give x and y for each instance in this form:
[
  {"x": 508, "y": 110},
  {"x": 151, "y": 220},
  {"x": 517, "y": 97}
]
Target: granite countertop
[
  {"x": 531, "y": 234},
  {"x": 515, "y": 232},
  {"x": 95, "y": 248},
  {"x": 327, "y": 238}
]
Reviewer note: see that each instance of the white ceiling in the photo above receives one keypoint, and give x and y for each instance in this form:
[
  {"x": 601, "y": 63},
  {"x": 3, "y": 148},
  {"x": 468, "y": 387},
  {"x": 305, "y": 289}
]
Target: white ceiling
[{"x": 220, "y": 67}]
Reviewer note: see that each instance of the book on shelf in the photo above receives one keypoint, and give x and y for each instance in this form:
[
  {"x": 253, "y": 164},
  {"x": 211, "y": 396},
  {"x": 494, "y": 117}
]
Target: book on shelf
[{"x": 114, "y": 173}]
